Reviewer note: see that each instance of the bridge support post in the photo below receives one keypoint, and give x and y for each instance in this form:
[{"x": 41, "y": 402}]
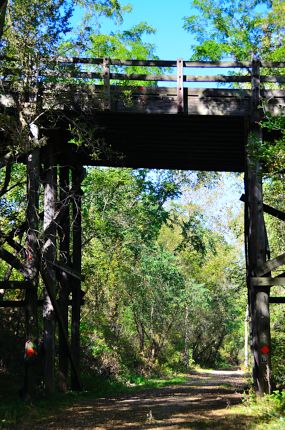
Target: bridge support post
[
  {"x": 64, "y": 243},
  {"x": 77, "y": 176},
  {"x": 32, "y": 258},
  {"x": 257, "y": 250},
  {"x": 258, "y": 296},
  {"x": 48, "y": 271}
]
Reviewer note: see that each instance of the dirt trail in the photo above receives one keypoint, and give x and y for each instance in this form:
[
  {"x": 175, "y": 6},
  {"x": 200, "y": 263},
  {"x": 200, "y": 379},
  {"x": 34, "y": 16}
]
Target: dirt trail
[{"x": 202, "y": 402}]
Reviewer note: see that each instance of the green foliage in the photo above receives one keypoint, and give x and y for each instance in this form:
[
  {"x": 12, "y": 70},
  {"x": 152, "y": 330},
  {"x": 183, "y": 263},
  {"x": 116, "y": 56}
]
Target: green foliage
[{"x": 235, "y": 29}]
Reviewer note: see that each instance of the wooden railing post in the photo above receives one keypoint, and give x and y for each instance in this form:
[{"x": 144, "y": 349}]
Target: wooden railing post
[
  {"x": 257, "y": 248},
  {"x": 107, "y": 90},
  {"x": 180, "y": 93}
]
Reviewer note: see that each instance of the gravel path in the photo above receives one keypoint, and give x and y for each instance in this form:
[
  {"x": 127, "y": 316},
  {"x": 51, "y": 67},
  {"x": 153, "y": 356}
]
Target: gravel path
[{"x": 202, "y": 402}]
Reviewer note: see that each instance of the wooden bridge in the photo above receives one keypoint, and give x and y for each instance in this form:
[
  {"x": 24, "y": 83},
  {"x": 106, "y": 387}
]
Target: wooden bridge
[
  {"x": 133, "y": 122},
  {"x": 137, "y": 118}
]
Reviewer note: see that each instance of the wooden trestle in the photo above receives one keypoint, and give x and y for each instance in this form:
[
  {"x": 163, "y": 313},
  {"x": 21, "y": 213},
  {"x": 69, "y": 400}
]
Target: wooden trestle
[{"x": 160, "y": 127}]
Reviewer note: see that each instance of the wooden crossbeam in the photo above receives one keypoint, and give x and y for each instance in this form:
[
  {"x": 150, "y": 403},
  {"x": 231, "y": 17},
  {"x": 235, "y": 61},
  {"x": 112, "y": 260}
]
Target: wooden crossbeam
[
  {"x": 13, "y": 261},
  {"x": 269, "y": 210},
  {"x": 267, "y": 281},
  {"x": 272, "y": 264},
  {"x": 14, "y": 285},
  {"x": 22, "y": 303},
  {"x": 66, "y": 269},
  {"x": 276, "y": 299}
]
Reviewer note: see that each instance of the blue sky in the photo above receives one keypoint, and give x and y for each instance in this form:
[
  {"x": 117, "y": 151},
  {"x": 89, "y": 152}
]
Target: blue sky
[{"x": 167, "y": 17}]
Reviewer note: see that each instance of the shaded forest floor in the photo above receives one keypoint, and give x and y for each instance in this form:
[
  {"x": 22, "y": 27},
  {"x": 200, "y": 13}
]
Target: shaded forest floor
[{"x": 203, "y": 401}]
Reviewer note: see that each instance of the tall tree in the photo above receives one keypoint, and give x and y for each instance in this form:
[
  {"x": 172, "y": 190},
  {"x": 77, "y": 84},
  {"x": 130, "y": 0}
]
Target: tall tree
[{"x": 235, "y": 29}]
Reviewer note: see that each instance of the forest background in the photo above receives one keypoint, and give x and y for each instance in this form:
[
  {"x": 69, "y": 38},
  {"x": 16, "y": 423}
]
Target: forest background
[{"x": 164, "y": 282}]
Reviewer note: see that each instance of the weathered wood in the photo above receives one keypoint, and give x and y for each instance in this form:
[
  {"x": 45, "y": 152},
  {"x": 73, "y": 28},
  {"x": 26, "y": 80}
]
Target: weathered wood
[
  {"x": 47, "y": 271},
  {"x": 180, "y": 93},
  {"x": 66, "y": 269},
  {"x": 13, "y": 261},
  {"x": 32, "y": 263},
  {"x": 14, "y": 285},
  {"x": 23, "y": 303},
  {"x": 161, "y": 63},
  {"x": 258, "y": 281},
  {"x": 273, "y": 79},
  {"x": 269, "y": 210},
  {"x": 64, "y": 246},
  {"x": 77, "y": 176},
  {"x": 217, "y": 78},
  {"x": 270, "y": 265},
  {"x": 276, "y": 299},
  {"x": 257, "y": 250},
  {"x": 50, "y": 288},
  {"x": 107, "y": 90},
  {"x": 156, "y": 63}
]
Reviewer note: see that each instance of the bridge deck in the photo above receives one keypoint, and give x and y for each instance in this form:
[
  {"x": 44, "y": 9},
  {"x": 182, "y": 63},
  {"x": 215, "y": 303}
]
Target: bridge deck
[{"x": 162, "y": 141}]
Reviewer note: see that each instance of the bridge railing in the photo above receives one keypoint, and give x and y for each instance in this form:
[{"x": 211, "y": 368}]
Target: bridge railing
[{"x": 108, "y": 72}]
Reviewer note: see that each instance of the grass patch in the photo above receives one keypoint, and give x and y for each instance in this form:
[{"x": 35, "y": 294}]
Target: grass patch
[
  {"x": 268, "y": 411},
  {"x": 14, "y": 411}
]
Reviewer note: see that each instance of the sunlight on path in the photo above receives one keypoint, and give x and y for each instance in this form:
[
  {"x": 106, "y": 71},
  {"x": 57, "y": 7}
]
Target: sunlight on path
[{"x": 203, "y": 402}]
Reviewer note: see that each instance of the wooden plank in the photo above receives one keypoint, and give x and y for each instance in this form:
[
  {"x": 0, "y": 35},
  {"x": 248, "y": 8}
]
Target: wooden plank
[
  {"x": 76, "y": 74},
  {"x": 274, "y": 79},
  {"x": 276, "y": 299},
  {"x": 142, "y": 77},
  {"x": 269, "y": 210},
  {"x": 64, "y": 268},
  {"x": 259, "y": 281},
  {"x": 14, "y": 285},
  {"x": 218, "y": 64},
  {"x": 157, "y": 63},
  {"x": 217, "y": 78},
  {"x": 23, "y": 303},
  {"x": 72, "y": 60},
  {"x": 272, "y": 264},
  {"x": 273, "y": 64},
  {"x": 143, "y": 63}
]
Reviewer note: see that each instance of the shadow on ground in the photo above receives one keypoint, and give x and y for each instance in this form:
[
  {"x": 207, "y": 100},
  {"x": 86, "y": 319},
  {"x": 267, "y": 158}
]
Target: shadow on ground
[{"x": 203, "y": 402}]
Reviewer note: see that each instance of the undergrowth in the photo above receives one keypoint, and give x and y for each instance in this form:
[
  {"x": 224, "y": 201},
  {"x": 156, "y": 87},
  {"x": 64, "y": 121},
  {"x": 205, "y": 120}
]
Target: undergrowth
[
  {"x": 14, "y": 411},
  {"x": 269, "y": 410}
]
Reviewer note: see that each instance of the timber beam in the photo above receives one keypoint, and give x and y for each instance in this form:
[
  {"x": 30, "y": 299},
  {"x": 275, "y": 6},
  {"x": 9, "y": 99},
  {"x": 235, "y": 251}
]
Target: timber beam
[
  {"x": 268, "y": 209},
  {"x": 270, "y": 265},
  {"x": 258, "y": 281},
  {"x": 23, "y": 303},
  {"x": 277, "y": 300},
  {"x": 14, "y": 285}
]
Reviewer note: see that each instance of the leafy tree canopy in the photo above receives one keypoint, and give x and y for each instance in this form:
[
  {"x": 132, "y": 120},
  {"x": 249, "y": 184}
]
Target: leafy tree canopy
[{"x": 236, "y": 29}]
